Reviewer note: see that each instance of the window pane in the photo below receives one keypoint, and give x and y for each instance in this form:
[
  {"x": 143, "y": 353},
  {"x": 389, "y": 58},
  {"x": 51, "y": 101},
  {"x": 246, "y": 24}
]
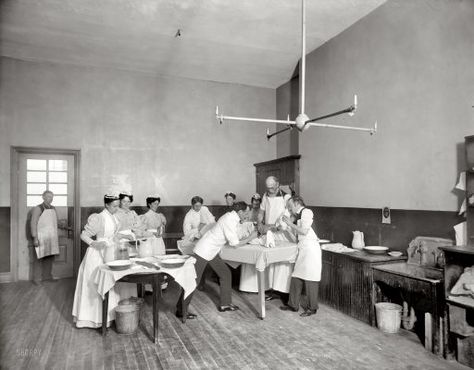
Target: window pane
[
  {"x": 33, "y": 200},
  {"x": 36, "y": 176},
  {"x": 57, "y": 177},
  {"x": 35, "y": 188},
  {"x": 36, "y": 164},
  {"x": 58, "y": 188},
  {"x": 57, "y": 165},
  {"x": 60, "y": 201}
]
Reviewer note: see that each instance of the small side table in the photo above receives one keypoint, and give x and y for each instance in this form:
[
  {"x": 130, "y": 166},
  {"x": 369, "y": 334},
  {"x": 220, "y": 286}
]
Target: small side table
[{"x": 155, "y": 280}]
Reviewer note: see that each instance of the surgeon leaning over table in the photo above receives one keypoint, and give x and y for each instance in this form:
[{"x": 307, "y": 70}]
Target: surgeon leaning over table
[{"x": 207, "y": 252}]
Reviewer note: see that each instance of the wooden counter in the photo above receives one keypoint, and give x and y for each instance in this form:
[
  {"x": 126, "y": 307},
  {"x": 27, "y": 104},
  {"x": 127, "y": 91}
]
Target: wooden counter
[{"x": 346, "y": 282}]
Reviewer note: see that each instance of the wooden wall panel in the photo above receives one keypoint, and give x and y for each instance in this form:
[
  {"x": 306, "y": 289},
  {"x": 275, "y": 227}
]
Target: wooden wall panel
[
  {"x": 337, "y": 224},
  {"x": 4, "y": 239}
]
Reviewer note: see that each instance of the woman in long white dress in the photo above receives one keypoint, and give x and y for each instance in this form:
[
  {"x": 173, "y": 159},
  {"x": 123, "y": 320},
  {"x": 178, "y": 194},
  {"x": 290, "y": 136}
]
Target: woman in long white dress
[
  {"x": 87, "y": 307},
  {"x": 155, "y": 222}
]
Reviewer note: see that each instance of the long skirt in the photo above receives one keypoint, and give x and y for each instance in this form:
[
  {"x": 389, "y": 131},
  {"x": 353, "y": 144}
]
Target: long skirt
[{"x": 87, "y": 307}]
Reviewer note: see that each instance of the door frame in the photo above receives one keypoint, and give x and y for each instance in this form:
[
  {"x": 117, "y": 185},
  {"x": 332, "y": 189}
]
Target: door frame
[{"x": 15, "y": 152}]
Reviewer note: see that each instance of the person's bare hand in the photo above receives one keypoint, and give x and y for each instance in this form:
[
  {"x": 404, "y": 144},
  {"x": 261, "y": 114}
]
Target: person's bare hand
[{"x": 286, "y": 220}]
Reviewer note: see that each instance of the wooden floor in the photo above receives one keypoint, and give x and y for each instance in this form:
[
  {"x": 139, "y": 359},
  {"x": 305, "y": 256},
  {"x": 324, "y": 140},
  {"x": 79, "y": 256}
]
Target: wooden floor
[{"x": 36, "y": 332}]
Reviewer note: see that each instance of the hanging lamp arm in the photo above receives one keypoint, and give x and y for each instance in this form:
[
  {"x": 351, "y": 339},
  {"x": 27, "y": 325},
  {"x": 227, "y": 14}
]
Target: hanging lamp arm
[
  {"x": 338, "y": 113},
  {"x": 269, "y": 136}
]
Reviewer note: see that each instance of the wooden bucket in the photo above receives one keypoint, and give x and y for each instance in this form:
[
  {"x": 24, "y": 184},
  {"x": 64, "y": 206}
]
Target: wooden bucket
[
  {"x": 126, "y": 318},
  {"x": 388, "y": 317}
]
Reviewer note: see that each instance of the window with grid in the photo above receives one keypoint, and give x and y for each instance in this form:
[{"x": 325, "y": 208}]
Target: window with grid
[{"x": 46, "y": 174}]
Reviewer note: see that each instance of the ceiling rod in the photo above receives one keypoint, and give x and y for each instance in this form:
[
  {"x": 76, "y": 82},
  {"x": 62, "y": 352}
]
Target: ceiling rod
[{"x": 302, "y": 122}]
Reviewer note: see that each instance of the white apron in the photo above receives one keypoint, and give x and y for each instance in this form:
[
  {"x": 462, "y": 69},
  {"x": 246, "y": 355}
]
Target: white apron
[
  {"x": 47, "y": 234},
  {"x": 308, "y": 262},
  {"x": 277, "y": 275},
  {"x": 87, "y": 307}
]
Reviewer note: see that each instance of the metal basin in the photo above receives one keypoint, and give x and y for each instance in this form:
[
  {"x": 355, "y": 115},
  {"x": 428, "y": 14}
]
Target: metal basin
[{"x": 413, "y": 271}]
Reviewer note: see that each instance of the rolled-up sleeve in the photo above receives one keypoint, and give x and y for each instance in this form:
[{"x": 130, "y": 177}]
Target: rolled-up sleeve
[
  {"x": 230, "y": 232},
  {"x": 91, "y": 229},
  {"x": 189, "y": 229},
  {"x": 206, "y": 216},
  {"x": 306, "y": 218},
  {"x": 35, "y": 215}
]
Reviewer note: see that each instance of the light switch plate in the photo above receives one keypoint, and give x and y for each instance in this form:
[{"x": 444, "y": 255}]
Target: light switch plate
[{"x": 386, "y": 215}]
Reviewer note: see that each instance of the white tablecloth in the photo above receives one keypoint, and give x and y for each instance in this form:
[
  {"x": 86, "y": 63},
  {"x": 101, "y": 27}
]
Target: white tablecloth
[
  {"x": 185, "y": 276},
  {"x": 260, "y": 256}
]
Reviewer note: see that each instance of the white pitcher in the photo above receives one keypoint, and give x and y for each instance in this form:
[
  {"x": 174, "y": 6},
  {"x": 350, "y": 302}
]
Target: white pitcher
[
  {"x": 145, "y": 249},
  {"x": 358, "y": 240}
]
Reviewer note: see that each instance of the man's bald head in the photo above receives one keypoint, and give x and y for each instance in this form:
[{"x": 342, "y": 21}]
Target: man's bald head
[
  {"x": 271, "y": 180},
  {"x": 272, "y": 185}
]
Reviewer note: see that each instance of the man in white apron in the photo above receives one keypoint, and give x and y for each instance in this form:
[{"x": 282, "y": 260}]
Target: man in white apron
[
  {"x": 307, "y": 271},
  {"x": 44, "y": 231},
  {"x": 273, "y": 207}
]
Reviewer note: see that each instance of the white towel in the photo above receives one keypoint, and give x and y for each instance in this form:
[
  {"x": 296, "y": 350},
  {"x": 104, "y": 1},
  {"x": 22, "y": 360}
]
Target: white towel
[
  {"x": 463, "y": 207},
  {"x": 461, "y": 185},
  {"x": 270, "y": 240},
  {"x": 267, "y": 240},
  {"x": 461, "y": 233}
]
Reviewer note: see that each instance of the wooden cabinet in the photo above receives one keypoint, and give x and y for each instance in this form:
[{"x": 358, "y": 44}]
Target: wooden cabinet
[
  {"x": 286, "y": 169},
  {"x": 346, "y": 282},
  {"x": 423, "y": 289},
  {"x": 460, "y": 308}
]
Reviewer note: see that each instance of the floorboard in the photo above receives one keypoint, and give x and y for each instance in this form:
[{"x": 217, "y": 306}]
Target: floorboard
[{"x": 37, "y": 332}]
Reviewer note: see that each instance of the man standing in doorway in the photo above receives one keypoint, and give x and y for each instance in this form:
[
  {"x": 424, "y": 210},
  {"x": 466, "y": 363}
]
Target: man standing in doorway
[{"x": 44, "y": 231}]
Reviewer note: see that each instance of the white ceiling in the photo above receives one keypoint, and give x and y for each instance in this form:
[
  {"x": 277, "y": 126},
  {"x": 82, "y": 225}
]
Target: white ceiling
[{"x": 251, "y": 42}]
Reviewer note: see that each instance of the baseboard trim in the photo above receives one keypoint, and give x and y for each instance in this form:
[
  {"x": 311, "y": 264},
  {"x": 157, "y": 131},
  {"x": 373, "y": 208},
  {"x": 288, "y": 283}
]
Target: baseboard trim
[{"x": 6, "y": 277}]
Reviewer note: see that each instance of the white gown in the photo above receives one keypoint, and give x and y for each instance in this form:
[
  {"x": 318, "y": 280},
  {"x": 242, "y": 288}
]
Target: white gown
[
  {"x": 153, "y": 221},
  {"x": 195, "y": 223},
  {"x": 277, "y": 275},
  {"x": 308, "y": 264},
  {"x": 87, "y": 307}
]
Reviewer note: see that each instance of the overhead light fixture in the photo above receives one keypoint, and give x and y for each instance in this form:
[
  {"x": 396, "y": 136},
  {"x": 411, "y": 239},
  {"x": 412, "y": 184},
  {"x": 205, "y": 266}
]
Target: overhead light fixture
[{"x": 302, "y": 121}]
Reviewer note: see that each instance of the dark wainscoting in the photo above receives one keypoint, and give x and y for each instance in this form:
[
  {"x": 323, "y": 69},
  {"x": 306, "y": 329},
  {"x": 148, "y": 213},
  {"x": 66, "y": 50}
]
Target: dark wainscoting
[
  {"x": 334, "y": 223},
  {"x": 4, "y": 239},
  {"x": 174, "y": 216},
  {"x": 337, "y": 224}
]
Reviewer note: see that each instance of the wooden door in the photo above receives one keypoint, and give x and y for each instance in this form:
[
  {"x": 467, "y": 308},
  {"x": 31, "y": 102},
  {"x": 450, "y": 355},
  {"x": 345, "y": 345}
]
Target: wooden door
[{"x": 37, "y": 173}]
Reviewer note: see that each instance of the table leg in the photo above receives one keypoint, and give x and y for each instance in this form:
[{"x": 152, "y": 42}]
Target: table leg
[
  {"x": 261, "y": 293},
  {"x": 105, "y": 309},
  {"x": 140, "y": 292},
  {"x": 156, "y": 294},
  {"x": 428, "y": 332},
  {"x": 184, "y": 308}
]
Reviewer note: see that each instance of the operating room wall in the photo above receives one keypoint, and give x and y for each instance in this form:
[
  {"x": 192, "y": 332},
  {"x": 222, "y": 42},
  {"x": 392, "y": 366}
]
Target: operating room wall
[
  {"x": 410, "y": 63},
  {"x": 287, "y": 106},
  {"x": 138, "y": 132}
]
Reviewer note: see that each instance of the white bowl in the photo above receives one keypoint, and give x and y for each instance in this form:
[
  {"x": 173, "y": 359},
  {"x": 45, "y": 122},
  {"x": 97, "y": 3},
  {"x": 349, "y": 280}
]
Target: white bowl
[
  {"x": 163, "y": 257},
  {"x": 119, "y": 265},
  {"x": 376, "y": 249},
  {"x": 172, "y": 262},
  {"x": 324, "y": 241},
  {"x": 395, "y": 253}
]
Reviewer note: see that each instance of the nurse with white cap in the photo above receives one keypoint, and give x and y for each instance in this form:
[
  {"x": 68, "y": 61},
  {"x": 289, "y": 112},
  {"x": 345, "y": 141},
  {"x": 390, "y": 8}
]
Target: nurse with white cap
[
  {"x": 100, "y": 234},
  {"x": 155, "y": 222}
]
